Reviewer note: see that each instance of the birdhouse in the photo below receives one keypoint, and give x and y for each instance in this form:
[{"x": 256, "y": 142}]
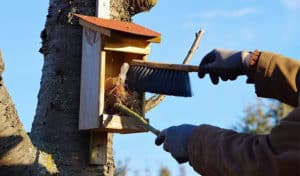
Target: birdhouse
[{"x": 106, "y": 45}]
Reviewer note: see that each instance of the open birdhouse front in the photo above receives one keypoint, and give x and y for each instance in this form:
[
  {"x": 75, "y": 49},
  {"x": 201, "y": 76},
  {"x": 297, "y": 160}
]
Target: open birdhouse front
[{"x": 106, "y": 45}]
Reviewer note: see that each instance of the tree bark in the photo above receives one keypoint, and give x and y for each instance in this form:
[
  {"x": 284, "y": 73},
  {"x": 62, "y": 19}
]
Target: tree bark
[
  {"x": 16, "y": 150},
  {"x": 17, "y": 153}
]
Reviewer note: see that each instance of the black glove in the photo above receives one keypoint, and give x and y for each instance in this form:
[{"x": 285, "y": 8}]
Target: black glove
[
  {"x": 226, "y": 64},
  {"x": 175, "y": 140}
]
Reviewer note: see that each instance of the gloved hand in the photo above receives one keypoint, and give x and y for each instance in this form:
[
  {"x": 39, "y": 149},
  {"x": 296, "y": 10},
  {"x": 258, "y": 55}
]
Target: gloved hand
[
  {"x": 175, "y": 140},
  {"x": 226, "y": 64}
]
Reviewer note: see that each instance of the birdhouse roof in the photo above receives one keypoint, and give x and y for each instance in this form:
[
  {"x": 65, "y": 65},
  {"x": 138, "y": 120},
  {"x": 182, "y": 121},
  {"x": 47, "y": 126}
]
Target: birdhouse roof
[{"x": 122, "y": 26}]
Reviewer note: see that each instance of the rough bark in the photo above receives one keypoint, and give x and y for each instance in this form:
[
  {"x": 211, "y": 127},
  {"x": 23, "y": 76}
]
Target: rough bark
[
  {"x": 16, "y": 150},
  {"x": 17, "y": 153}
]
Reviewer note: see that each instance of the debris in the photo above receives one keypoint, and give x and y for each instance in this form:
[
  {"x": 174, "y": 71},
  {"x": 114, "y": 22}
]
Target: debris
[{"x": 115, "y": 92}]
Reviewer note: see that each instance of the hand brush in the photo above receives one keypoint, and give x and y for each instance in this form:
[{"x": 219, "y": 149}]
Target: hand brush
[{"x": 162, "y": 78}]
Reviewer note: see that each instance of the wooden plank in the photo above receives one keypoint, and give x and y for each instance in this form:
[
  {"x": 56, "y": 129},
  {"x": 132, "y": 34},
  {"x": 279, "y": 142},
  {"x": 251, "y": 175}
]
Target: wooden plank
[
  {"x": 102, "y": 83},
  {"x": 103, "y": 8},
  {"x": 101, "y": 142},
  {"x": 89, "y": 92},
  {"x": 166, "y": 66},
  {"x": 122, "y": 42},
  {"x": 121, "y": 124},
  {"x": 155, "y": 39},
  {"x": 128, "y": 49},
  {"x": 114, "y": 61},
  {"x": 100, "y": 149}
]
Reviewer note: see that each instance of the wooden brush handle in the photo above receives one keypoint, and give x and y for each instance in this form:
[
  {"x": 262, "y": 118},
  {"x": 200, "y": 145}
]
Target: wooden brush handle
[
  {"x": 133, "y": 114},
  {"x": 175, "y": 67}
]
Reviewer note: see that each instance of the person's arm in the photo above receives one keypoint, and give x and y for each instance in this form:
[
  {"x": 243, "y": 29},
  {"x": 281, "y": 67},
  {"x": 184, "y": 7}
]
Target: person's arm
[
  {"x": 276, "y": 76},
  {"x": 214, "y": 151}
]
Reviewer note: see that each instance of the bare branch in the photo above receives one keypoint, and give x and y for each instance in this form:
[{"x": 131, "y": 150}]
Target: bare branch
[
  {"x": 194, "y": 47},
  {"x": 153, "y": 101}
]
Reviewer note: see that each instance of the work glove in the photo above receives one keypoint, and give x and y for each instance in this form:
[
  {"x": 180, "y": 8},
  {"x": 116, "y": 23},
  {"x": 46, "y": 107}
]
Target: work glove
[
  {"x": 224, "y": 64},
  {"x": 175, "y": 141}
]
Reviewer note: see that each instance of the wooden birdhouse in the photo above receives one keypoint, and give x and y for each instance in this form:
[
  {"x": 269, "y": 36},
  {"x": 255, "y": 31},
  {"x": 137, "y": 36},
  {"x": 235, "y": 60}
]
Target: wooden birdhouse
[{"x": 106, "y": 45}]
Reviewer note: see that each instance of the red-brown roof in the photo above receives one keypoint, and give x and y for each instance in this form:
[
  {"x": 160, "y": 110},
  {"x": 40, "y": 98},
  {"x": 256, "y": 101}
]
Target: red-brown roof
[{"x": 117, "y": 25}]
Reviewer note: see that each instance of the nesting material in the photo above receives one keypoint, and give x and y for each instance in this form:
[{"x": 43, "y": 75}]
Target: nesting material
[{"x": 115, "y": 92}]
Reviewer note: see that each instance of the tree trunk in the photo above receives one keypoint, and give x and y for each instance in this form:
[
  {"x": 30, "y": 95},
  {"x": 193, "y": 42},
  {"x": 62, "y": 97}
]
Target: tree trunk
[{"x": 55, "y": 127}]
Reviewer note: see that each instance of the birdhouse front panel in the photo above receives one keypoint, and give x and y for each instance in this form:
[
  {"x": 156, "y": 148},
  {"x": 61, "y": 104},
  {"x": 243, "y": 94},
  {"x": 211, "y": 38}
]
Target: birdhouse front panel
[{"x": 104, "y": 51}]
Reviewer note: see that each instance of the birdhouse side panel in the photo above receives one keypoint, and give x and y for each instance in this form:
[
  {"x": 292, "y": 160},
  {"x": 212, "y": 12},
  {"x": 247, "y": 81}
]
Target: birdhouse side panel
[{"x": 90, "y": 85}]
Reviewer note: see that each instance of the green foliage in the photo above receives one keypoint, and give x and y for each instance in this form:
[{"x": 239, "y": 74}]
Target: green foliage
[{"x": 261, "y": 117}]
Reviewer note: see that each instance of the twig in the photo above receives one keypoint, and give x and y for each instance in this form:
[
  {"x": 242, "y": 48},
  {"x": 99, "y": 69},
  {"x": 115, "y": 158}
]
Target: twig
[
  {"x": 153, "y": 101},
  {"x": 131, "y": 113},
  {"x": 194, "y": 47}
]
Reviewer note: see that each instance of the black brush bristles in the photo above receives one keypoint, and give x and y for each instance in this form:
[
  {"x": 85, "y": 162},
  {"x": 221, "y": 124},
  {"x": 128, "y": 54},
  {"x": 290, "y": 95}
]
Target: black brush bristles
[{"x": 157, "y": 80}]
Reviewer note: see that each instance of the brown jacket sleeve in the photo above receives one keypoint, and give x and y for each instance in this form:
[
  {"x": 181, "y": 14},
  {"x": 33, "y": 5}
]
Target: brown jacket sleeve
[
  {"x": 218, "y": 152},
  {"x": 277, "y": 77}
]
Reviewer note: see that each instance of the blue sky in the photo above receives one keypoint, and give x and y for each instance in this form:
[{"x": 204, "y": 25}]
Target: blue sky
[{"x": 232, "y": 24}]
